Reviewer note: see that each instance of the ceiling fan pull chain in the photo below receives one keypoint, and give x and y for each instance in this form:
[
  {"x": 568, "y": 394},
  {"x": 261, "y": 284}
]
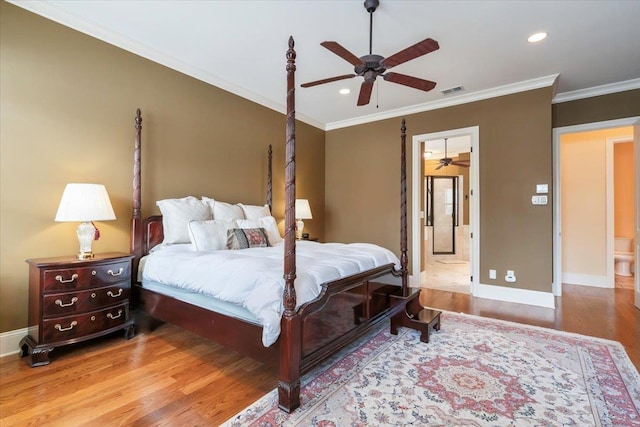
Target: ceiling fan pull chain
[{"x": 377, "y": 94}]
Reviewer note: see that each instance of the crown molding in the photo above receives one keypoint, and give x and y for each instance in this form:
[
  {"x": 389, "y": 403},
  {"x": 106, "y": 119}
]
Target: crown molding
[
  {"x": 597, "y": 91},
  {"x": 449, "y": 102},
  {"x": 51, "y": 12}
]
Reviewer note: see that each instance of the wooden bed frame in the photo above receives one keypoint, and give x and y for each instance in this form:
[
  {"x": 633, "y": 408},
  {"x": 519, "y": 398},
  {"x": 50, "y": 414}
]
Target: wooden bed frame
[{"x": 345, "y": 310}]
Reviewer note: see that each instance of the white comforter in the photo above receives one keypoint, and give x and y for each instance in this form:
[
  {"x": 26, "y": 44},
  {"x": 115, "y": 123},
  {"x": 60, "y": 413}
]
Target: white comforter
[{"x": 253, "y": 278}]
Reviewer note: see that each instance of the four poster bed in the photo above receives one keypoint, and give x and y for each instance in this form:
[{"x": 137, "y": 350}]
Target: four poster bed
[{"x": 343, "y": 308}]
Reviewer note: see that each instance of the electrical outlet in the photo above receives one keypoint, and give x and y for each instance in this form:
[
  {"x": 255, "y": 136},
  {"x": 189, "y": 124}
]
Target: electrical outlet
[
  {"x": 492, "y": 274},
  {"x": 510, "y": 277}
]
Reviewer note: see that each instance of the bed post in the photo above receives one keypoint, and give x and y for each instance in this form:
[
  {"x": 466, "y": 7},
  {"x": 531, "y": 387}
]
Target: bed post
[
  {"x": 136, "y": 222},
  {"x": 403, "y": 210},
  {"x": 270, "y": 180},
  {"x": 290, "y": 336}
]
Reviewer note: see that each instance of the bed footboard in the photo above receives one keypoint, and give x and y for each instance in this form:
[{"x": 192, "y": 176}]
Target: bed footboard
[{"x": 346, "y": 310}]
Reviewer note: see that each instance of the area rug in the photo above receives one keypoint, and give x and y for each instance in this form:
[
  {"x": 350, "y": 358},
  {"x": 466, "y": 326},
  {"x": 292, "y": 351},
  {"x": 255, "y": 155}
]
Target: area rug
[{"x": 474, "y": 372}]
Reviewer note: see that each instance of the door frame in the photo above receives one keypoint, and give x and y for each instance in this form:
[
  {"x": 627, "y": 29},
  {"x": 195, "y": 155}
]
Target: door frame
[
  {"x": 474, "y": 205},
  {"x": 557, "y": 191}
]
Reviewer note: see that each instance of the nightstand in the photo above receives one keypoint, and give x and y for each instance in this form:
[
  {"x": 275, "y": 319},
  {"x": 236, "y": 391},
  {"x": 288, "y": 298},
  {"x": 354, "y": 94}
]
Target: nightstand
[{"x": 73, "y": 300}]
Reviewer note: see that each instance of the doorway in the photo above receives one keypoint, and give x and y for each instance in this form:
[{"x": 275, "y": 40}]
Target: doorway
[
  {"x": 445, "y": 211},
  {"x": 442, "y": 213},
  {"x": 584, "y": 238}
]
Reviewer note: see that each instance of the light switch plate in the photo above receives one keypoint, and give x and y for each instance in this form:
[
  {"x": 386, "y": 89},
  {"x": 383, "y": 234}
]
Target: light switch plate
[{"x": 542, "y": 188}]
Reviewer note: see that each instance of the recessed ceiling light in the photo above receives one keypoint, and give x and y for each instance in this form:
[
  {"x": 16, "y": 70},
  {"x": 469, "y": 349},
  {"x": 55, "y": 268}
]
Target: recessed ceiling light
[
  {"x": 345, "y": 91},
  {"x": 534, "y": 38}
]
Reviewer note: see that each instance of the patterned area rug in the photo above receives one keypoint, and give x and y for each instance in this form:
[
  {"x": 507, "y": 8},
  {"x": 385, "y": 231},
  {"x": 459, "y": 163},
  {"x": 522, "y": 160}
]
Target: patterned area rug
[{"x": 473, "y": 372}]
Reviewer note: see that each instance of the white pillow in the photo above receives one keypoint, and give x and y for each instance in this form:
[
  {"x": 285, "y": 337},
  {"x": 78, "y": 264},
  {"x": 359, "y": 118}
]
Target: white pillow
[
  {"x": 210, "y": 235},
  {"x": 222, "y": 210},
  {"x": 176, "y": 214},
  {"x": 255, "y": 212},
  {"x": 268, "y": 223}
]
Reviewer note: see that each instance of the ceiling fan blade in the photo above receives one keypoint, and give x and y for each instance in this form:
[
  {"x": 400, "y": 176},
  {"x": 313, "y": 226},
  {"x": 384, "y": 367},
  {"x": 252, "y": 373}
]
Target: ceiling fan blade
[
  {"x": 464, "y": 165},
  {"x": 440, "y": 166},
  {"x": 412, "y": 52},
  {"x": 413, "y": 82},
  {"x": 365, "y": 93},
  {"x": 329, "y": 80},
  {"x": 343, "y": 53}
]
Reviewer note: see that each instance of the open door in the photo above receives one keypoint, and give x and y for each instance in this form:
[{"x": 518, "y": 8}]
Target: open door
[{"x": 636, "y": 240}]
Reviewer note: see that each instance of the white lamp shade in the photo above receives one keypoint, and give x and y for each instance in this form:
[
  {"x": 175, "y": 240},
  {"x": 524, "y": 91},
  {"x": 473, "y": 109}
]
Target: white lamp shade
[
  {"x": 303, "y": 210},
  {"x": 84, "y": 203}
]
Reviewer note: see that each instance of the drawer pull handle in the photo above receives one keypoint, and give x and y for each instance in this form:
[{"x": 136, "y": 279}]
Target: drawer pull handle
[
  {"x": 61, "y": 280},
  {"x": 61, "y": 304},
  {"x": 112, "y": 295},
  {"x": 111, "y": 273},
  {"x": 112, "y": 316},
  {"x": 61, "y": 329}
]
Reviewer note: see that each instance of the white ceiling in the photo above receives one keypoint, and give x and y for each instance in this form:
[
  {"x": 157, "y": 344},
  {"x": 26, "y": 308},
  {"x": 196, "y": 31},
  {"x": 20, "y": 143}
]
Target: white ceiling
[{"x": 240, "y": 46}]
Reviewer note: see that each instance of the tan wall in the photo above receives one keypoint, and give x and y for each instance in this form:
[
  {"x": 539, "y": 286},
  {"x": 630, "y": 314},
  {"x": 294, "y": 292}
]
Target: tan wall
[
  {"x": 624, "y": 189},
  {"x": 597, "y": 109},
  {"x": 362, "y": 182},
  {"x": 584, "y": 199},
  {"x": 68, "y": 103}
]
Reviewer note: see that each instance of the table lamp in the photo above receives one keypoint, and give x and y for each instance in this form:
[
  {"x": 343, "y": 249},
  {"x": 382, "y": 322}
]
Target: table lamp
[
  {"x": 85, "y": 203},
  {"x": 303, "y": 211}
]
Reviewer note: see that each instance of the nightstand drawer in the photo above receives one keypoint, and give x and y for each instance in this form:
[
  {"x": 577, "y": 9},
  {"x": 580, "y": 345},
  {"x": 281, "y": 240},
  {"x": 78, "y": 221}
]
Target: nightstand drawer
[
  {"x": 81, "y": 301},
  {"x": 70, "y": 327},
  {"x": 86, "y": 277}
]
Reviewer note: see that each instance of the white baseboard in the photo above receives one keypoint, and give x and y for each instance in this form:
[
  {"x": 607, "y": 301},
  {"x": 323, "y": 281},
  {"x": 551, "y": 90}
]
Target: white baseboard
[
  {"x": 521, "y": 296},
  {"x": 587, "y": 280},
  {"x": 10, "y": 341}
]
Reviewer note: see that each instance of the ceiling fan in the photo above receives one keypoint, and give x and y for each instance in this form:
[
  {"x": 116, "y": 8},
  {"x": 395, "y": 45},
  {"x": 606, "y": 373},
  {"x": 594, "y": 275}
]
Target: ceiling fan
[
  {"x": 446, "y": 161},
  {"x": 371, "y": 66}
]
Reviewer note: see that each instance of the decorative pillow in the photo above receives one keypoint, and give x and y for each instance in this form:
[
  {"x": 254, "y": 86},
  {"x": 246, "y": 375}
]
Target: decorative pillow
[
  {"x": 222, "y": 210},
  {"x": 268, "y": 223},
  {"x": 210, "y": 235},
  {"x": 176, "y": 214},
  {"x": 255, "y": 212},
  {"x": 243, "y": 238}
]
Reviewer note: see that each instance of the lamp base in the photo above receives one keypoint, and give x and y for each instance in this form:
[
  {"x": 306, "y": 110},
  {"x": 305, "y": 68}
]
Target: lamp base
[
  {"x": 85, "y": 255},
  {"x": 86, "y": 233},
  {"x": 299, "y": 228}
]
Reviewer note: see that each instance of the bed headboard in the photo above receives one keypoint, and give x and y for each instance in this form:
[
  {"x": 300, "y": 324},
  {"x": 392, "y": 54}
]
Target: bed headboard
[{"x": 146, "y": 233}]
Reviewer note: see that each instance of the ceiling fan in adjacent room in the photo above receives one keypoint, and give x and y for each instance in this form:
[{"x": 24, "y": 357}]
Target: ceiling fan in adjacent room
[
  {"x": 446, "y": 161},
  {"x": 371, "y": 66}
]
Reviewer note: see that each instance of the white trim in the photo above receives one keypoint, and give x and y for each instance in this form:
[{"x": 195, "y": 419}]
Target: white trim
[
  {"x": 474, "y": 204},
  {"x": 10, "y": 341},
  {"x": 610, "y": 194},
  {"x": 597, "y": 91},
  {"x": 449, "y": 101},
  {"x": 557, "y": 200},
  {"x": 587, "y": 280},
  {"x": 520, "y": 296}
]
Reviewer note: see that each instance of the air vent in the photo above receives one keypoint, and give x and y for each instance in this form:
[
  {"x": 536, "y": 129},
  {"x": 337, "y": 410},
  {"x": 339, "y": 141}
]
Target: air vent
[{"x": 452, "y": 90}]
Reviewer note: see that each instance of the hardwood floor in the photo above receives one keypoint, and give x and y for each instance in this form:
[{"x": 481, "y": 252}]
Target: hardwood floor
[
  {"x": 586, "y": 310},
  {"x": 167, "y": 377}
]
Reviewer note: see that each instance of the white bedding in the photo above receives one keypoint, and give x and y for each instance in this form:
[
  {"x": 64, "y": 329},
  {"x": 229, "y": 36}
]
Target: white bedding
[{"x": 253, "y": 278}]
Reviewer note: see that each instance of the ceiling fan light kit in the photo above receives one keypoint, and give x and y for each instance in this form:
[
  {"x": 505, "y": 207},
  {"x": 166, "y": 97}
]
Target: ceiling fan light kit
[{"x": 372, "y": 65}]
